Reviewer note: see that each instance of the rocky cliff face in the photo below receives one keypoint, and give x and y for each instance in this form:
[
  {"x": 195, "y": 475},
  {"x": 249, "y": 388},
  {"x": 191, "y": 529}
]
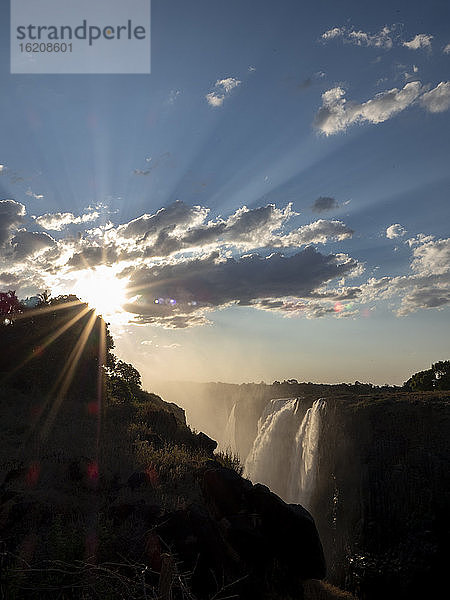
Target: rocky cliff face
[
  {"x": 139, "y": 508},
  {"x": 382, "y": 497},
  {"x": 381, "y": 493}
]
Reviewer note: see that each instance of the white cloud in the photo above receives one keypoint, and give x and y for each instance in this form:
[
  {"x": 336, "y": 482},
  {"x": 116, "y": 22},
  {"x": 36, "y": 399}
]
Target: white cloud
[
  {"x": 333, "y": 33},
  {"x": 382, "y": 39},
  {"x": 420, "y": 238},
  {"x": 395, "y": 231},
  {"x": 227, "y": 84},
  {"x": 429, "y": 285},
  {"x": 30, "y": 192},
  {"x": 319, "y": 232},
  {"x": 446, "y": 49},
  {"x": 215, "y": 99},
  {"x": 2, "y": 167},
  {"x": 222, "y": 89},
  {"x": 336, "y": 113},
  {"x": 438, "y": 99},
  {"x": 421, "y": 40},
  {"x": 180, "y": 228},
  {"x": 57, "y": 221},
  {"x": 432, "y": 257}
]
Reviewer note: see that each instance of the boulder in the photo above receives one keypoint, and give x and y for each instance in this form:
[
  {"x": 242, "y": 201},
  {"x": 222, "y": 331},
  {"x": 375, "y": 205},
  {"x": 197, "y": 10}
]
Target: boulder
[{"x": 277, "y": 542}]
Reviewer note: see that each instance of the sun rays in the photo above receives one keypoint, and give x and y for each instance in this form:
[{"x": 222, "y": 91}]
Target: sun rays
[
  {"x": 102, "y": 290},
  {"x": 88, "y": 334}
]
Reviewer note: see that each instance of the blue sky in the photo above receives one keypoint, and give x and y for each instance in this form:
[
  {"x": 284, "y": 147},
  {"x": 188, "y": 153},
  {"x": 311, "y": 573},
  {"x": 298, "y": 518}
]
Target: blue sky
[{"x": 292, "y": 161}]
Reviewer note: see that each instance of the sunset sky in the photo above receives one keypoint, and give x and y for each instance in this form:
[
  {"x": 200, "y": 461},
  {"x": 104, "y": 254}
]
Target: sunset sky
[{"x": 271, "y": 202}]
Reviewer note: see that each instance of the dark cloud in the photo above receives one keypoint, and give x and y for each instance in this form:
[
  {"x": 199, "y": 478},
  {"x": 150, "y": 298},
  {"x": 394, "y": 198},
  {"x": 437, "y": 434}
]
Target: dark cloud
[
  {"x": 27, "y": 243},
  {"x": 92, "y": 256},
  {"x": 175, "y": 215},
  {"x": 12, "y": 215},
  {"x": 324, "y": 203},
  {"x": 188, "y": 287}
]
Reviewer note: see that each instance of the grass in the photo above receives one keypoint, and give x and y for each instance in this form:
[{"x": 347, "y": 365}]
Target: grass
[{"x": 60, "y": 483}]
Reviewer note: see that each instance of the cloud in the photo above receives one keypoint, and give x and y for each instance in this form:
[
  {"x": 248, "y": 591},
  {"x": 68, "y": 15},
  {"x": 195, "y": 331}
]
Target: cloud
[
  {"x": 92, "y": 256},
  {"x": 12, "y": 215},
  {"x": 28, "y": 243},
  {"x": 182, "y": 265},
  {"x": 30, "y": 192},
  {"x": 421, "y": 40},
  {"x": 331, "y": 34},
  {"x": 318, "y": 232},
  {"x": 382, "y": 39},
  {"x": 336, "y": 113},
  {"x": 428, "y": 287},
  {"x": 438, "y": 99},
  {"x": 200, "y": 284},
  {"x": 311, "y": 309},
  {"x": 446, "y": 49},
  {"x": 177, "y": 216},
  {"x": 179, "y": 228},
  {"x": 58, "y": 221},
  {"x": 395, "y": 231},
  {"x": 432, "y": 257},
  {"x": 222, "y": 89},
  {"x": 324, "y": 204},
  {"x": 173, "y": 346},
  {"x": 2, "y": 168}
]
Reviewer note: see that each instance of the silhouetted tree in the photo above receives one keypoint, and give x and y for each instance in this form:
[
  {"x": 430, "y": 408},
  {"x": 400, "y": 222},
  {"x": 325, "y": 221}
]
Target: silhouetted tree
[
  {"x": 49, "y": 350},
  {"x": 9, "y": 306},
  {"x": 124, "y": 381},
  {"x": 436, "y": 378},
  {"x": 441, "y": 372}
]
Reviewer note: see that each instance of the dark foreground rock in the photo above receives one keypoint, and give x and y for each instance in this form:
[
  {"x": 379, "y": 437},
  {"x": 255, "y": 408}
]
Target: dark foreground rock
[
  {"x": 238, "y": 540},
  {"x": 276, "y": 544}
]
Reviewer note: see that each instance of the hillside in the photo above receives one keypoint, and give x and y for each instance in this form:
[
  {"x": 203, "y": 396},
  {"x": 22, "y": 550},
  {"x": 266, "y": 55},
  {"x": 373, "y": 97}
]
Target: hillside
[{"x": 107, "y": 493}]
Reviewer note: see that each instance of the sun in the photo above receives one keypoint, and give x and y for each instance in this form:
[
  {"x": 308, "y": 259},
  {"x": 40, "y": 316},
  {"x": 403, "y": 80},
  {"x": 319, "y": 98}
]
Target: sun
[{"x": 102, "y": 290}]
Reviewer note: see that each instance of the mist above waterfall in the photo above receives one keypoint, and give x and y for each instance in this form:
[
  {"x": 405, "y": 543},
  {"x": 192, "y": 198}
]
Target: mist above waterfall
[{"x": 284, "y": 455}]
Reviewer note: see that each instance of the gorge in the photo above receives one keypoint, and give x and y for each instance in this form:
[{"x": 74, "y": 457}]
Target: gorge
[{"x": 371, "y": 469}]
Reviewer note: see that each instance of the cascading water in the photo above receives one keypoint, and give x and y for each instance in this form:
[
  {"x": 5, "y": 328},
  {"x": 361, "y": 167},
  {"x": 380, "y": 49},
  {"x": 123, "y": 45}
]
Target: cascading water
[
  {"x": 228, "y": 442},
  {"x": 304, "y": 458},
  {"x": 285, "y": 452},
  {"x": 267, "y": 461}
]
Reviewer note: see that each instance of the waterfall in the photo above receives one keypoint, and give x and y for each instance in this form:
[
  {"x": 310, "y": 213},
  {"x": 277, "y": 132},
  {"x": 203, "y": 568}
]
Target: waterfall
[
  {"x": 229, "y": 437},
  {"x": 267, "y": 461},
  {"x": 305, "y": 453},
  {"x": 284, "y": 455}
]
